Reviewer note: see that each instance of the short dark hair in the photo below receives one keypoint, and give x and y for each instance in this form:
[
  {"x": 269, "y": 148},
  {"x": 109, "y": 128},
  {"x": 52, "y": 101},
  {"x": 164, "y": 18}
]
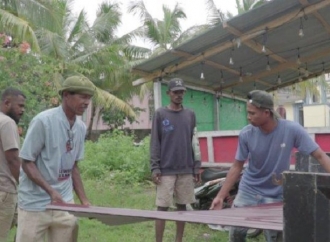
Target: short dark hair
[{"x": 11, "y": 91}]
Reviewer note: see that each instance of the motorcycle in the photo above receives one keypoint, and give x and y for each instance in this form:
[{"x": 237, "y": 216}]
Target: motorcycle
[{"x": 212, "y": 180}]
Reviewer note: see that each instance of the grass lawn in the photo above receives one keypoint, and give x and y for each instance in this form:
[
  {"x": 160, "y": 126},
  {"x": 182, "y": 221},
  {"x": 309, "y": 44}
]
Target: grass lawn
[{"x": 102, "y": 193}]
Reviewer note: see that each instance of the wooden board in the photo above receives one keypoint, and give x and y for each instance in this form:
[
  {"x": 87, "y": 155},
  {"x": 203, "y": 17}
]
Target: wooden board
[{"x": 263, "y": 217}]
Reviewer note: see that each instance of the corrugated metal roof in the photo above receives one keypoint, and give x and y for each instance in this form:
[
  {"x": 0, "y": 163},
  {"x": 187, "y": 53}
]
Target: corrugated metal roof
[
  {"x": 269, "y": 216},
  {"x": 275, "y": 25}
]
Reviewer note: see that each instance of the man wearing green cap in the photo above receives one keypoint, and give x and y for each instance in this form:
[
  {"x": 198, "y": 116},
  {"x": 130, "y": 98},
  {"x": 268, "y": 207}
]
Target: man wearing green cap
[
  {"x": 266, "y": 144},
  {"x": 51, "y": 150}
]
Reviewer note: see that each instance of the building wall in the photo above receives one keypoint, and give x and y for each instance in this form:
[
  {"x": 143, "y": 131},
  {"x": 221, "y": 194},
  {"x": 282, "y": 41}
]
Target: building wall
[
  {"x": 232, "y": 113},
  {"x": 289, "y": 111},
  {"x": 316, "y": 115},
  {"x": 220, "y": 146},
  {"x": 143, "y": 119},
  {"x": 201, "y": 103}
]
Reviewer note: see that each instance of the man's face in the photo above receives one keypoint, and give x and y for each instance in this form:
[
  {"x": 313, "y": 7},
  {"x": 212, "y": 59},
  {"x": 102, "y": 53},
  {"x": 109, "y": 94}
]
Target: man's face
[
  {"x": 77, "y": 102},
  {"x": 16, "y": 107},
  {"x": 257, "y": 116},
  {"x": 176, "y": 96}
]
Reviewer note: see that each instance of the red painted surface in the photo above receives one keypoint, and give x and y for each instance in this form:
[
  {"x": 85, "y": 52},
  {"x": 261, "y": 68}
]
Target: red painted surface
[
  {"x": 323, "y": 141},
  {"x": 293, "y": 156},
  {"x": 203, "y": 148},
  {"x": 225, "y": 148},
  {"x": 268, "y": 216}
]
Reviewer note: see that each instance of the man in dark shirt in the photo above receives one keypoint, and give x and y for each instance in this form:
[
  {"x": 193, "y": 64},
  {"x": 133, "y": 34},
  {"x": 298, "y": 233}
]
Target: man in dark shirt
[{"x": 174, "y": 165}]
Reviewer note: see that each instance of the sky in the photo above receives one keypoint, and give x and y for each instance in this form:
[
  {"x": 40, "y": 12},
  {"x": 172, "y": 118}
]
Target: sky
[{"x": 194, "y": 9}]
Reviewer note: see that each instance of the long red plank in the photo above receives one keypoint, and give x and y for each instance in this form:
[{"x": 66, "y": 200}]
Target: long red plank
[{"x": 262, "y": 217}]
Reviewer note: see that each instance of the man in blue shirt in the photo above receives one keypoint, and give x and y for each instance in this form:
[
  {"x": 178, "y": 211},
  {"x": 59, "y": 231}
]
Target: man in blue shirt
[{"x": 266, "y": 144}]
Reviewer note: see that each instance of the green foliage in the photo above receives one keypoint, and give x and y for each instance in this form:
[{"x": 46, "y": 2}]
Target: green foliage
[
  {"x": 31, "y": 74},
  {"x": 114, "y": 157},
  {"x": 115, "y": 118},
  {"x": 104, "y": 193}
]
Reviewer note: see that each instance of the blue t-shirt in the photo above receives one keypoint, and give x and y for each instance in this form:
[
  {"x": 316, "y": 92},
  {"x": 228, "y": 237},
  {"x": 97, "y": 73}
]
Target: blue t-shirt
[
  {"x": 54, "y": 148},
  {"x": 269, "y": 154}
]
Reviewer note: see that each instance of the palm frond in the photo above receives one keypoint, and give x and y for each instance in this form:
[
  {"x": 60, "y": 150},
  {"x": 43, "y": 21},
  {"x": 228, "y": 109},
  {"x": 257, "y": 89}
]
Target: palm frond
[
  {"x": 240, "y": 7},
  {"x": 98, "y": 55},
  {"x": 214, "y": 16},
  {"x": 42, "y": 14},
  {"x": 18, "y": 28},
  {"x": 190, "y": 33},
  {"x": 151, "y": 24},
  {"x": 136, "y": 52},
  {"x": 107, "y": 22},
  {"x": 106, "y": 100},
  {"x": 154, "y": 33},
  {"x": 145, "y": 89},
  {"x": 140, "y": 9},
  {"x": 80, "y": 26},
  {"x": 52, "y": 44},
  {"x": 258, "y": 3},
  {"x": 126, "y": 39}
]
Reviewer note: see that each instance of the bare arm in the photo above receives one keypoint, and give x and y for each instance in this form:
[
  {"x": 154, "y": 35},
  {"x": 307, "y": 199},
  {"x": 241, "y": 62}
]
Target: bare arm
[
  {"x": 33, "y": 173},
  {"x": 14, "y": 162},
  {"x": 78, "y": 185},
  {"x": 231, "y": 178},
  {"x": 322, "y": 158}
]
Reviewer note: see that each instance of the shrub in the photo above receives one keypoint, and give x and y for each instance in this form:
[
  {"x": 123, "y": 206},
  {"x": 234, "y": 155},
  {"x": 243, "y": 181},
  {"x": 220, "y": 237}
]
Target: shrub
[{"x": 114, "y": 156}]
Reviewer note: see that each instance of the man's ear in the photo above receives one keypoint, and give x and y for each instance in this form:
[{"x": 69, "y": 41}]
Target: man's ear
[{"x": 6, "y": 102}]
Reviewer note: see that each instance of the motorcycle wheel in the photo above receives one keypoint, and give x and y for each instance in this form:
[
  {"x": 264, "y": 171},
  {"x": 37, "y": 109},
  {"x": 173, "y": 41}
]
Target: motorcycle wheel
[{"x": 252, "y": 233}]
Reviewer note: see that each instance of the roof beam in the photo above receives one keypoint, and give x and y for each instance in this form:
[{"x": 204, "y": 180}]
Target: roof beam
[
  {"x": 207, "y": 62},
  {"x": 141, "y": 73},
  {"x": 304, "y": 2},
  {"x": 317, "y": 16},
  {"x": 254, "y": 45},
  {"x": 280, "y": 68},
  {"x": 247, "y": 36}
]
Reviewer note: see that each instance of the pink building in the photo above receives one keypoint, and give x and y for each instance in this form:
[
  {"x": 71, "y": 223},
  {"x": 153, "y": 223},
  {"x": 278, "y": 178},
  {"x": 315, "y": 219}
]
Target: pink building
[{"x": 143, "y": 121}]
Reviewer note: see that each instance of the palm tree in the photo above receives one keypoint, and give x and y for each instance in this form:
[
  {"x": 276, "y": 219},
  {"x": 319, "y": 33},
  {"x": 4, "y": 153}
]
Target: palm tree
[
  {"x": 160, "y": 33},
  {"x": 93, "y": 51},
  {"x": 19, "y": 18},
  {"x": 246, "y": 5}
]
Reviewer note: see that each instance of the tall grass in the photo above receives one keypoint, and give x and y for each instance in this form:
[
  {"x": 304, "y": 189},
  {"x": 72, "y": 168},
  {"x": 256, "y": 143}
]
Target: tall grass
[
  {"x": 136, "y": 196},
  {"x": 114, "y": 156},
  {"x": 116, "y": 174}
]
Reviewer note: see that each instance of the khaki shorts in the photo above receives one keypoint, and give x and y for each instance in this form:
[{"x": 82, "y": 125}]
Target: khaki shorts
[
  {"x": 57, "y": 226},
  {"x": 8, "y": 203},
  {"x": 181, "y": 187}
]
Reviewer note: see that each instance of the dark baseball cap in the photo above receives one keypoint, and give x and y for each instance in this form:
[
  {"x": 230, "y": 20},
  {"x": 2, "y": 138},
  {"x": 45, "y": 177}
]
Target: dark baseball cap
[
  {"x": 262, "y": 99},
  {"x": 176, "y": 84}
]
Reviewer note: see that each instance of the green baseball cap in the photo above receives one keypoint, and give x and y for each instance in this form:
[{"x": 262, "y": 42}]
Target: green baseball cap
[
  {"x": 262, "y": 99},
  {"x": 78, "y": 84}
]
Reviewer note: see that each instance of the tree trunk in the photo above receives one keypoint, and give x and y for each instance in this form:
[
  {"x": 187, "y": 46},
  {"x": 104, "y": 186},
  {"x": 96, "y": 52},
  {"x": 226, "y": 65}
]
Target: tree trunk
[{"x": 90, "y": 125}]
